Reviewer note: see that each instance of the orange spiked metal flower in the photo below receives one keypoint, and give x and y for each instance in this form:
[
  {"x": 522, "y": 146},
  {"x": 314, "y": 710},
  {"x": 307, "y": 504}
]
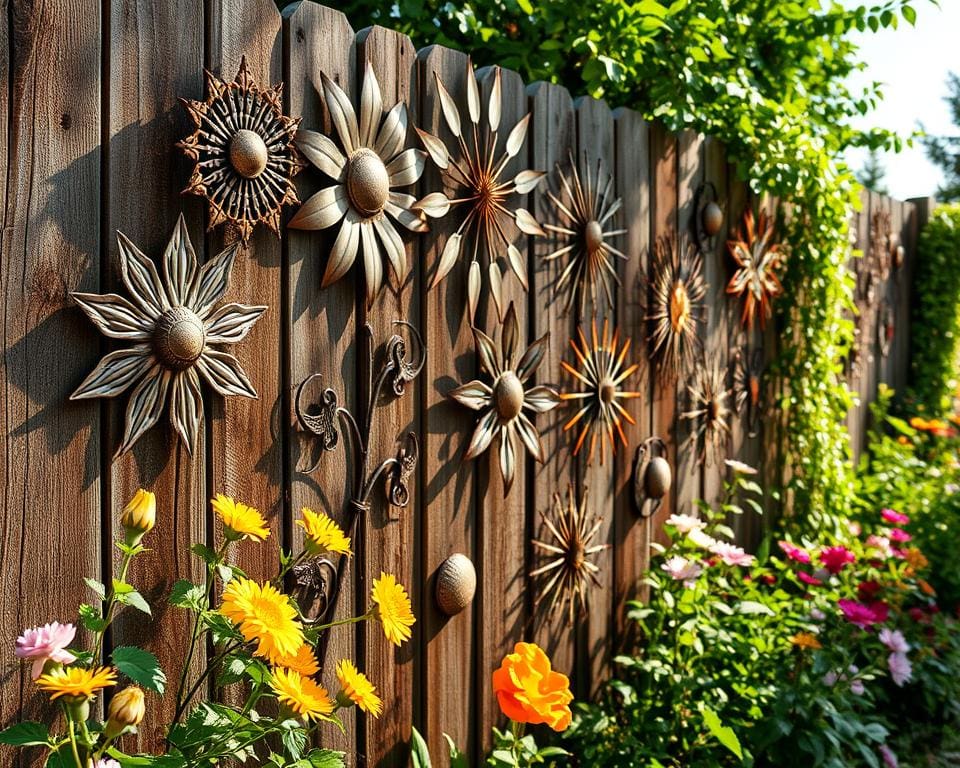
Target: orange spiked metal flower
[{"x": 758, "y": 260}]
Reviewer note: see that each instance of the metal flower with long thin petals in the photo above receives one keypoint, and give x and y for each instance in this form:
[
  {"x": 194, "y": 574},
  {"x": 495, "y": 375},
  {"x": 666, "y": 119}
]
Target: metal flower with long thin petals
[
  {"x": 587, "y": 208},
  {"x": 599, "y": 367},
  {"x": 709, "y": 412},
  {"x": 568, "y": 574},
  {"x": 476, "y": 171},
  {"x": 368, "y": 171},
  {"x": 244, "y": 153},
  {"x": 758, "y": 260},
  {"x": 503, "y": 405},
  {"x": 176, "y": 335}
]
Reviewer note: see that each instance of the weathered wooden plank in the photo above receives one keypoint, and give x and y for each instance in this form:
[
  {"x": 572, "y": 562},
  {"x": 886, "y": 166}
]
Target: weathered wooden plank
[
  {"x": 322, "y": 335},
  {"x": 891, "y": 293},
  {"x": 858, "y": 385},
  {"x": 872, "y": 357}
]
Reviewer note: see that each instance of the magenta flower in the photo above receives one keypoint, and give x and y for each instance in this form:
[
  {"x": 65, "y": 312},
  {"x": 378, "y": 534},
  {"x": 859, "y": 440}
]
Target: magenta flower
[
  {"x": 864, "y": 615},
  {"x": 731, "y": 554},
  {"x": 793, "y": 552},
  {"x": 835, "y": 559},
  {"x": 894, "y": 517},
  {"x": 894, "y": 640},
  {"x": 889, "y": 758},
  {"x": 899, "y": 535},
  {"x": 48, "y": 642},
  {"x": 900, "y": 668},
  {"x": 807, "y": 578}
]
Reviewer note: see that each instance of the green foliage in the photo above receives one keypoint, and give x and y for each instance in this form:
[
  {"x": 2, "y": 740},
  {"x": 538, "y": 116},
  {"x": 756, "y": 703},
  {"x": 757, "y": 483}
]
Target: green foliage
[
  {"x": 25, "y": 734},
  {"x": 945, "y": 150},
  {"x": 140, "y": 666},
  {"x": 872, "y": 174}
]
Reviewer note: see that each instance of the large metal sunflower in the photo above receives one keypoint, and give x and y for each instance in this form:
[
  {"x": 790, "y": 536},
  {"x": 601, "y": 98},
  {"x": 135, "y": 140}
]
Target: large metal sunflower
[
  {"x": 503, "y": 404},
  {"x": 363, "y": 197},
  {"x": 758, "y": 260},
  {"x": 709, "y": 412},
  {"x": 568, "y": 574},
  {"x": 676, "y": 289},
  {"x": 244, "y": 153},
  {"x": 599, "y": 367},
  {"x": 175, "y": 331},
  {"x": 476, "y": 170},
  {"x": 587, "y": 209}
]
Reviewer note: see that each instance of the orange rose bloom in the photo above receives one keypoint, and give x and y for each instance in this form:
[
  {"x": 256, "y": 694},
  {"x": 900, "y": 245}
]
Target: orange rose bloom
[{"x": 529, "y": 691}]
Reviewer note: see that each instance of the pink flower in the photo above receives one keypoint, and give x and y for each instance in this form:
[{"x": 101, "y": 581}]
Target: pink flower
[
  {"x": 835, "y": 559},
  {"x": 857, "y": 688},
  {"x": 900, "y": 668},
  {"x": 106, "y": 762},
  {"x": 680, "y": 569},
  {"x": 899, "y": 535},
  {"x": 864, "y": 615},
  {"x": 881, "y": 543},
  {"x": 806, "y": 578},
  {"x": 685, "y": 523},
  {"x": 700, "y": 539},
  {"x": 894, "y": 640},
  {"x": 795, "y": 553},
  {"x": 731, "y": 554},
  {"x": 46, "y": 643},
  {"x": 894, "y": 517},
  {"x": 889, "y": 758}
]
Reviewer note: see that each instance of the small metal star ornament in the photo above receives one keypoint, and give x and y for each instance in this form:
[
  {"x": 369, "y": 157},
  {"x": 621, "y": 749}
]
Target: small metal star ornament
[{"x": 709, "y": 413}]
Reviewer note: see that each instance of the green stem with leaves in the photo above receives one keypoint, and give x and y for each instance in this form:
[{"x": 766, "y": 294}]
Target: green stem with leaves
[{"x": 128, "y": 556}]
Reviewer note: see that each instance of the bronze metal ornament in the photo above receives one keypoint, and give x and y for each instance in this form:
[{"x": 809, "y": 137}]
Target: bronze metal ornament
[
  {"x": 748, "y": 387},
  {"x": 652, "y": 476},
  {"x": 758, "y": 260},
  {"x": 456, "y": 584},
  {"x": 709, "y": 413},
  {"x": 708, "y": 217}
]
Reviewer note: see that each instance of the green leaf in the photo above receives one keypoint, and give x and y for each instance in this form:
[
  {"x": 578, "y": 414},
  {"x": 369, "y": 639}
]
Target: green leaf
[
  {"x": 97, "y": 587},
  {"x": 135, "y": 600},
  {"x": 186, "y": 594},
  {"x": 204, "y": 553},
  {"x": 457, "y": 758},
  {"x": 140, "y": 666},
  {"x": 910, "y": 15},
  {"x": 526, "y": 7},
  {"x": 720, "y": 732},
  {"x": 419, "y": 754},
  {"x": 25, "y": 734},
  {"x": 752, "y": 607},
  {"x": 325, "y": 758},
  {"x": 91, "y": 619},
  {"x": 122, "y": 588}
]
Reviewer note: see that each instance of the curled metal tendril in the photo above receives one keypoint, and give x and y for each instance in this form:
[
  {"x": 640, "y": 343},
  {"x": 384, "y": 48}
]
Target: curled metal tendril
[
  {"x": 314, "y": 583},
  {"x": 323, "y": 423},
  {"x": 400, "y": 368},
  {"x": 401, "y": 467}
]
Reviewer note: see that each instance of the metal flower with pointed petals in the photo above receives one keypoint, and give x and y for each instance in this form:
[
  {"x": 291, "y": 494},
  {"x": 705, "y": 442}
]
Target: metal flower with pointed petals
[
  {"x": 505, "y": 404},
  {"x": 568, "y": 574},
  {"x": 758, "y": 260},
  {"x": 176, "y": 335},
  {"x": 475, "y": 169},
  {"x": 587, "y": 208},
  {"x": 600, "y": 370},
  {"x": 709, "y": 413},
  {"x": 368, "y": 171},
  {"x": 244, "y": 153}
]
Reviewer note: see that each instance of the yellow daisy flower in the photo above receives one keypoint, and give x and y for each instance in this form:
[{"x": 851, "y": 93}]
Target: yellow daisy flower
[
  {"x": 323, "y": 534},
  {"x": 356, "y": 689},
  {"x": 303, "y": 661},
  {"x": 76, "y": 682},
  {"x": 392, "y": 608},
  {"x": 301, "y": 694},
  {"x": 806, "y": 640},
  {"x": 239, "y": 520},
  {"x": 264, "y": 615}
]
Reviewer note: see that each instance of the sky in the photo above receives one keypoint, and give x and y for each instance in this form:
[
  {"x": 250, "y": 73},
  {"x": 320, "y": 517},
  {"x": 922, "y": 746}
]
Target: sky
[{"x": 913, "y": 63}]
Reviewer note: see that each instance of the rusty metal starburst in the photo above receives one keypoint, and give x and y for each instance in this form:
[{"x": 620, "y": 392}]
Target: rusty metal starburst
[
  {"x": 373, "y": 164},
  {"x": 567, "y": 575},
  {"x": 676, "y": 291},
  {"x": 599, "y": 366},
  {"x": 244, "y": 152},
  {"x": 748, "y": 386},
  {"x": 587, "y": 208},
  {"x": 758, "y": 258},
  {"x": 503, "y": 404},
  {"x": 709, "y": 413},
  {"x": 176, "y": 335},
  {"x": 475, "y": 169}
]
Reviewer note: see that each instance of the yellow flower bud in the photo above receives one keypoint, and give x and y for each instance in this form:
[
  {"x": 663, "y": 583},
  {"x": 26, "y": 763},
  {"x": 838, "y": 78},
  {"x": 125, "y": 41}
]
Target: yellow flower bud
[
  {"x": 126, "y": 709},
  {"x": 139, "y": 516}
]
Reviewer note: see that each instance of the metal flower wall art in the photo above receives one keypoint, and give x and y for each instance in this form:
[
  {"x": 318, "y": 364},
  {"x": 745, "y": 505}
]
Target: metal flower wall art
[
  {"x": 244, "y": 152},
  {"x": 504, "y": 406},
  {"x": 175, "y": 334},
  {"x": 748, "y": 387},
  {"x": 601, "y": 370},
  {"x": 571, "y": 551},
  {"x": 709, "y": 413},
  {"x": 368, "y": 173},
  {"x": 587, "y": 208},
  {"x": 676, "y": 291},
  {"x": 475, "y": 168},
  {"x": 758, "y": 259}
]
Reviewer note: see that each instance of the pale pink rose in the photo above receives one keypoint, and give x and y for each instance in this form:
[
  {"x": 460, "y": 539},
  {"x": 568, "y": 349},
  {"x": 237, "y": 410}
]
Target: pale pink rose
[
  {"x": 731, "y": 554},
  {"x": 894, "y": 640},
  {"x": 700, "y": 539},
  {"x": 680, "y": 569},
  {"x": 889, "y": 758},
  {"x": 901, "y": 671},
  {"x": 48, "y": 642},
  {"x": 106, "y": 762},
  {"x": 881, "y": 543},
  {"x": 685, "y": 523}
]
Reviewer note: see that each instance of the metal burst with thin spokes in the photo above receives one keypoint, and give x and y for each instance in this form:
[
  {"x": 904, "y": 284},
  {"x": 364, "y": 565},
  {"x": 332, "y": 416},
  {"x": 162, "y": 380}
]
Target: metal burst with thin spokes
[
  {"x": 587, "y": 208},
  {"x": 709, "y": 413},
  {"x": 758, "y": 259},
  {"x": 600, "y": 368},
  {"x": 476, "y": 170},
  {"x": 567, "y": 576}
]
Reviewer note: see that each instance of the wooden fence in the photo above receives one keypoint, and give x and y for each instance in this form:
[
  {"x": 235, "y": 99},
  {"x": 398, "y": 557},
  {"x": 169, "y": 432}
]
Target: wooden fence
[{"x": 88, "y": 122}]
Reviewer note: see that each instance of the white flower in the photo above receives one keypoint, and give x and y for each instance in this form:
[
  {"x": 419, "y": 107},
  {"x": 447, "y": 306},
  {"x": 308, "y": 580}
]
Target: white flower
[
  {"x": 731, "y": 554},
  {"x": 739, "y": 467},
  {"x": 901, "y": 671},
  {"x": 681, "y": 569},
  {"x": 700, "y": 539},
  {"x": 894, "y": 640},
  {"x": 685, "y": 523}
]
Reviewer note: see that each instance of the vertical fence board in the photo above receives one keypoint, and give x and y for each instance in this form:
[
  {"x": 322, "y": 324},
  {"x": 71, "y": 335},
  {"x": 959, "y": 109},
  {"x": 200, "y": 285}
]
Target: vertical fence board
[{"x": 857, "y": 416}]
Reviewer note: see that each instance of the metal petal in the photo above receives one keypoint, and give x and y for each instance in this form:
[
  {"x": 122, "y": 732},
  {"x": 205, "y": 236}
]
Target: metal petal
[
  {"x": 344, "y": 250},
  {"x": 186, "y": 406},
  {"x": 473, "y": 96},
  {"x": 212, "y": 281},
  {"x": 141, "y": 278},
  {"x": 449, "y": 107},
  {"x": 145, "y": 406},
  {"x": 496, "y": 286},
  {"x": 527, "y": 223},
  {"x": 451, "y": 250},
  {"x": 393, "y": 246},
  {"x": 473, "y": 289},
  {"x": 322, "y": 153},
  {"x": 434, "y": 205},
  {"x": 372, "y": 261},
  {"x": 474, "y": 394},
  {"x": 223, "y": 372},
  {"x": 371, "y": 107},
  {"x": 323, "y": 209},
  {"x": 115, "y": 373},
  {"x": 532, "y": 357},
  {"x": 488, "y": 353},
  {"x": 517, "y": 136},
  {"x": 393, "y": 132},
  {"x": 530, "y": 437},
  {"x": 509, "y": 336},
  {"x": 342, "y": 116},
  {"x": 179, "y": 264},
  {"x": 508, "y": 458},
  {"x": 527, "y": 181},
  {"x": 483, "y": 435},
  {"x": 493, "y": 109},
  {"x": 541, "y": 399},
  {"x": 231, "y": 323},
  {"x": 406, "y": 167},
  {"x": 517, "y": 264},
  {"x": 115, "y": 316},
  {"x": 436, "y": 148},
  {"x": 408, "y": 219}
]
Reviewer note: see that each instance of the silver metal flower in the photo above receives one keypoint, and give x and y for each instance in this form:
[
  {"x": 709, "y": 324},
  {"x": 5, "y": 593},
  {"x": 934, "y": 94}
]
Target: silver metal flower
[
  {"x": 503, "y": 404},
  {"x": 364, "y": 197},
  {"x": 175, "y": 332}
]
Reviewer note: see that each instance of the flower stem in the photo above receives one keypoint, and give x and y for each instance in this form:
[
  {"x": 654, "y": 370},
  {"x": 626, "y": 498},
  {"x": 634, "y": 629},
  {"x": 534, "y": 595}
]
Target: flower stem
[
  {"x": 73, "y": 741},
  {"x": 111, "y": 603},
  {"x": 341, "y": 622}
]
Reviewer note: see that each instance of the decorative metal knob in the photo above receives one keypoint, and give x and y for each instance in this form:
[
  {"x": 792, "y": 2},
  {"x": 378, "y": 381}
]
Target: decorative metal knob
[
  {"x": 456, "y": 584},
  {"x": 712, "y": 218},
  {"x": 652, "y": 476},
  {"x": 708, "y": 215}
]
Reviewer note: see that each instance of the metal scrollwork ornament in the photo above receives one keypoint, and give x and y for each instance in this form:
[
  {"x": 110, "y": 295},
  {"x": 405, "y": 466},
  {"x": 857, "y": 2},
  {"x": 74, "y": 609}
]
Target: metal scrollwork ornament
[{"x": 652, "y": 476}]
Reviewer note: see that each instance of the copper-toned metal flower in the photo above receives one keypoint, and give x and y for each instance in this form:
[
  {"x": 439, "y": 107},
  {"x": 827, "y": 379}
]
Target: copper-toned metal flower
[
  {"x": 503, "y": 404},
  {"x": 567, "y": 576},
  {"x": 176, "y": 335},
  {"x": 599, "y": 366},
  {"x": 709, "y": 412},
  {"x": 587, "y": 209},
  {"x": 368, "y": 172},
  {"x": 758, "y": 259},
  {"x": 676, "y": 289},
  {"x": 244, "y": 153},
  {"x": 475, "y": 168},
  {"x": 748, "y": 387}
]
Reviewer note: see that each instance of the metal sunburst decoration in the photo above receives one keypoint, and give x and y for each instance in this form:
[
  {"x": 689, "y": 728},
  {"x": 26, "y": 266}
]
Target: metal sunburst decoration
[
  {"x": 367, "y": 173},
  {"x": 176, "y": 335},
  {"x": 676, "y": 290},
  {"x": 709, "y": 413},
  {"x": 244, "y": 152},
  {"x": 567, "y": 576},
  {"x": 591, "y": 267},
  {"x": 475, "y": 169},
  {"x": 599, "y": 366},
  {"x": 758, "y": 258},
  {"x": 505, "y": 404}
]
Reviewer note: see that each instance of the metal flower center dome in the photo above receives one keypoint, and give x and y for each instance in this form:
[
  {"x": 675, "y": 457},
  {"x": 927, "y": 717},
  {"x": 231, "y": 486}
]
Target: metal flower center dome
[
  {"x": 508, "y": 396},
  {"x": 179, "y": 338},
  {"x": 680, "y": 308},
  {"x": 607, "y": 391},
  {"x": 593, "y": 236},
  {"x": 368, "y": 183},
  {"x": 248, "y": 153}
]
